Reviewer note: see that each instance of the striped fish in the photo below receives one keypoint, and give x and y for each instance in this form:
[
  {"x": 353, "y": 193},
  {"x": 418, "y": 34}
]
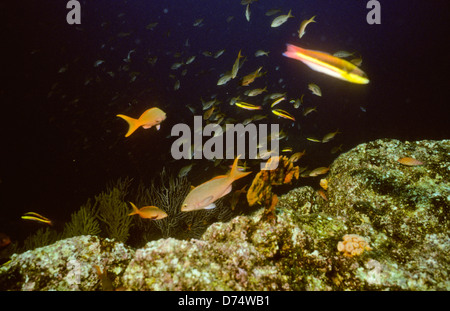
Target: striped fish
[{"x": 327, "y": 64}]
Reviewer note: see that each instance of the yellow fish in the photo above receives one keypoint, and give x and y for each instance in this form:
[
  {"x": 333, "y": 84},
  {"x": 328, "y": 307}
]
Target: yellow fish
[
  {"x": 247, "y": 12},
  {"x": 149, "y": 212},
  {"x": 303, "y": 25},
  {"x": 336, "y": 149},
  {"x": 272, "y": 12},
  {"x": 251, "y": 77},
  {"x": 256, "y": 92},
  {"x": 247, "y": 106},
  {"x": 324, "y": 183},
  {"x": 276, "y": 95},
  {"x": 314, "y": 139},
  {"x": 330, "y": 136},
  {"x": 208, "y": 113},
  {"x": 261, "y": 53},
  {"x": 204, "y": 195},
  {"x": 279, "y": 100},
  {"x": 198, "y": 22},
  {"x": 299, "y": 101},
  {"x": 283, "y": 114},
  {"x": 219, "y": 53},
  {"x": 235, "y": 68},
  {"x": 36, "y": 217},
  {"x": 297, "y": 156},
  {"x": 151, "y": 117},
  {"x": 190, "y": 60},
  {"x": 343, "y": 54},
  {"x": 224, "y": 79},
  {"x": 315, "y": 89},
  {"x": 280, "y": 20},
  {"x": 319, "y": 171},
  {"x": 309, "y": 110},
  {"x": 356, "y": 61},
  {"x": 327, "y": 64}
]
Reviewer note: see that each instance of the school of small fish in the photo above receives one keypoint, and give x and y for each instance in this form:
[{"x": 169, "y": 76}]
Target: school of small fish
[{"x": 247, "y": 88}]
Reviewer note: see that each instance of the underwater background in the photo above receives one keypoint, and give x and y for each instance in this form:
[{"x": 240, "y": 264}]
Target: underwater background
[{"x": 62, "y": 142}]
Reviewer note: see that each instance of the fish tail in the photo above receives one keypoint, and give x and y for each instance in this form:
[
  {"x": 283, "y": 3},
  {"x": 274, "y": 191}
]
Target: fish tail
[
  {"x": 132, "y": 123},
  {"x": 235, "y": 173},
  {"x": 289, "y": 14},
  {"x": 293, "y": 51},
  {"x": 99, "y": 271},
  {"x": 135, "y": 210}
]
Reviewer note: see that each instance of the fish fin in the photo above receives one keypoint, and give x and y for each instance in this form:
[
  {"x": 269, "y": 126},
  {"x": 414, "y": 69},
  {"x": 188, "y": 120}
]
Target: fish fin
[
  {"x": 235, "y": 173},
  {"x": 99, "y": 270},
  {"x": 210, "y": 206},
  {"x": 218, "y": 177},
  {"x": 207, "y": 199},
  {"x": 158, "y": 127},
  {"x": 132, "y": 123},
  {"x": 135, "y": 210},
  {"x": 228, "y": 190},
  {"x": 293, "y": 51},
  {"x": 243, "y": 190},
  {"x": 192, "y": 187}
]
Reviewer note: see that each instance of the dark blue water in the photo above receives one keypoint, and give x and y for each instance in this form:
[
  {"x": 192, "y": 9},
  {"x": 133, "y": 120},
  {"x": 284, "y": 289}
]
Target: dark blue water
[{"x": 61, "y": 141}]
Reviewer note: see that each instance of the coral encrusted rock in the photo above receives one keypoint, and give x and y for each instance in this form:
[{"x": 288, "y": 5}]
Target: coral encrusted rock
[{"x": 401, "y": 212}]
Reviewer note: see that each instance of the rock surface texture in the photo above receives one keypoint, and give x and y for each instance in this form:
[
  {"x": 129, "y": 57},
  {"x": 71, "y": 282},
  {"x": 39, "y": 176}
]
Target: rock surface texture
[{"x": 385, "y": 226}]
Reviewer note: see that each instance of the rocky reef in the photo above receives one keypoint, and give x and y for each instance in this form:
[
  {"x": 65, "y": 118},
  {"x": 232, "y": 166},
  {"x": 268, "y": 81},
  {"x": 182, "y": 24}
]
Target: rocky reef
[{"x": 384, "y": 226}]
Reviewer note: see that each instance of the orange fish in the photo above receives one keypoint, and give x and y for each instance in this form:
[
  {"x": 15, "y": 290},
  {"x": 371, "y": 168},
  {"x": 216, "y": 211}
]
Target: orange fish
[
  {"x": 322, "y": 194},
  {"x": 151, "y": 117},
  {"x": 409, "y": 161},
  {"x": 149, "y": 212},
  {"x": 204, "y": 195}
]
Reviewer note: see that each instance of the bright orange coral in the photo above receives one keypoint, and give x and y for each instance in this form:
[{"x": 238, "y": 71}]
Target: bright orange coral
[{"x": 353, "y": 245}]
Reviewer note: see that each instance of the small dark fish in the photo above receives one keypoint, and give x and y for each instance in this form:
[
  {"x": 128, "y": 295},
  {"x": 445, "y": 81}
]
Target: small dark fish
[
  {"x": 322, "y": 194},
  {"x": 4, "y": 240},
  {"x": 107, "y": 284}
]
